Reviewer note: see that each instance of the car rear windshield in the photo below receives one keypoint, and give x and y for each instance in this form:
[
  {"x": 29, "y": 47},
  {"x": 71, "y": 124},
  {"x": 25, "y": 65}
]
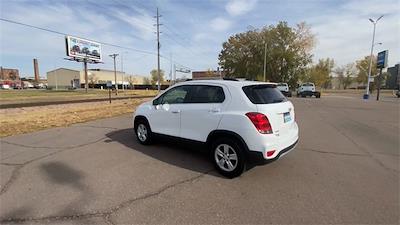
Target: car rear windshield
[{"x": 263, "y": 94}]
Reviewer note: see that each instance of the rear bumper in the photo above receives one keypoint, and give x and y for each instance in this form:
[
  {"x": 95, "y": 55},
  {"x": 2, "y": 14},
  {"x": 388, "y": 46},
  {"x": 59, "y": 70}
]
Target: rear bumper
[
  {"x": 309, "y": 93},
  {"x": 287, "y": 93},
  {"x": 258, "y": 157}
]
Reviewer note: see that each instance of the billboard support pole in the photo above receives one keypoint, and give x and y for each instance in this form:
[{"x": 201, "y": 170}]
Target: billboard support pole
[
  {"x": 86, "y": 74},
  {"x": 379, "y": 84}
]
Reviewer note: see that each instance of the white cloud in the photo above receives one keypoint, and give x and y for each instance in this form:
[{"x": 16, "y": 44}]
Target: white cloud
[
  {"x": 346, "y": 34},
  {"x": 220, "y": 24},
  {"x": 240, "y": 7},
  {"x": 141, "y": 22}
]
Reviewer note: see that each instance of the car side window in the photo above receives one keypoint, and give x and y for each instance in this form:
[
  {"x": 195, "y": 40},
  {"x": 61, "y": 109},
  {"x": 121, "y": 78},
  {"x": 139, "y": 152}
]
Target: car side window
[
  {"x": 207, "y": 94},
  {"x": 175, "y": 95}
]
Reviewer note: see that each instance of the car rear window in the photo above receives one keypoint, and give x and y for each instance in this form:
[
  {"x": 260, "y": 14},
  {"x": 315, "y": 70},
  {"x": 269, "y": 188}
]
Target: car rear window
[{"x": 263, "y": 94}]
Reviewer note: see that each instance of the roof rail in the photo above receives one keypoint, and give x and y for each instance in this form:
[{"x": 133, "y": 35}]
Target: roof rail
[{"x": 231, "y": 79}]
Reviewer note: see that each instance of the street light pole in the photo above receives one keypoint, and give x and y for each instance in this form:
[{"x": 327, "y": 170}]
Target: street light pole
[
  {"x": 115, "y": 73},
  {"x": 122, "y": 68},
  {"x": 372, "y": 51}
]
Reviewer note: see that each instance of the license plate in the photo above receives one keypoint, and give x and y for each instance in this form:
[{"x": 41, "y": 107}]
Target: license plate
[{"x": 287, "y": 117}]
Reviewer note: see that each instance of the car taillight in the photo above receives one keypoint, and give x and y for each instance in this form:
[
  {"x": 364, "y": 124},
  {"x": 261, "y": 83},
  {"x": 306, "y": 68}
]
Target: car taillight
[{"x": 261, "y": 122}]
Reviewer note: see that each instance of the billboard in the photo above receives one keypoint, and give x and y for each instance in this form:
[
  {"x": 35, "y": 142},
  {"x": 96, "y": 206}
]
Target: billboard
[
  {"x": 82, "y": 48},
  {"x": 381, "y": 61}
]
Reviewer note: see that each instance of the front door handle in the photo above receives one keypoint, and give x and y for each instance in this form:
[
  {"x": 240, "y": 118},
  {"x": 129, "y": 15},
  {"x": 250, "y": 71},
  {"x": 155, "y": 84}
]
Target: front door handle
[{"x": 176, "y": 111}]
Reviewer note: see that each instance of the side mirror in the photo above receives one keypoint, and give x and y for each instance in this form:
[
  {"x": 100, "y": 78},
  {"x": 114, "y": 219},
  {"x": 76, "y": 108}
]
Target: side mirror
[{"x": 156, "y": 101}]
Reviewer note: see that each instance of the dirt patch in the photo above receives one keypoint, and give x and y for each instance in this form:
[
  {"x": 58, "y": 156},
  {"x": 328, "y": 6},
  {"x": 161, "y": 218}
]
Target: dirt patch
[{"x": 28, "y": 119}]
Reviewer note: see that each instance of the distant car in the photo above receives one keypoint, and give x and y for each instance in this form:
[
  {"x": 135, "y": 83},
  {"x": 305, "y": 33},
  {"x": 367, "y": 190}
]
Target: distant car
[
  {"x": 95, "y": 53},
  {"x": 5, "y": 86},
  {"x": 284, "y": 88},
  {"x": 398, "y": 93},
  {"x": 85, "y": 50},
  {"x": 236, "y": 120},
  {"x": 307, "y": 89},
  {"x": 76, "y": 48}
]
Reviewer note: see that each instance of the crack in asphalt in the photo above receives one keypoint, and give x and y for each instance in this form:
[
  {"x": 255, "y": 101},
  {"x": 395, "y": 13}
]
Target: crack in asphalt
[
  {"x": 369, "y": 154},
  {"x": 112, "y": 128},
  {"x": 333, "y": 153},
  {"x": 15, "y": 173},
  {"x": 107, "y": 213},
  {"x": 50, "y": 147},
  {"x": 11, "y": 164},
  {"x": 11, "y": 180}
]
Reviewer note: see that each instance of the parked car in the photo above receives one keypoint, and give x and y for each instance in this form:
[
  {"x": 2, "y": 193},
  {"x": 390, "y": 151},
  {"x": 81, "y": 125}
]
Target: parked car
[
  {"x": 284, "y": 88},
  {"x": 398, "y": 93},
  {"x": 85, "y": 50},
  {"x": 236, "y": 120},
  {"x": 308, "y": 89},
  {"x": 76, "y": 48},
  {"x": 95, "y": 53}
]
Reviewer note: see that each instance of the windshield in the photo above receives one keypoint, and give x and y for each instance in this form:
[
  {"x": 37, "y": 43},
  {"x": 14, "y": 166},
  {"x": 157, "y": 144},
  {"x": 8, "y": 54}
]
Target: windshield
[{"x": 263, "y": 94}]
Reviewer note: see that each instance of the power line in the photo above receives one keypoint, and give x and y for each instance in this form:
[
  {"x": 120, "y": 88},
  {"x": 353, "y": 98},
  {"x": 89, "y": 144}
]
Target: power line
[{"x": 65, "y": 34}]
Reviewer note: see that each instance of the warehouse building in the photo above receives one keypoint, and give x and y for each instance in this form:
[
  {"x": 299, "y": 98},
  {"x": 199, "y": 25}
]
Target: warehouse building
[{"x": 63, "y": 78}]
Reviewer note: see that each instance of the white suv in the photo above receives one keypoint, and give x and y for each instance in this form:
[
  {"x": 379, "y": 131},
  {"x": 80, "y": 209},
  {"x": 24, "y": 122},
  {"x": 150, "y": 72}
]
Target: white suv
[{"x": 237, "y": 120}]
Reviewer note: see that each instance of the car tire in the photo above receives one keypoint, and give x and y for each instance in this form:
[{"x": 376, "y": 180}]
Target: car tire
[
  {"x": 143, "y": 132},
  {"x": 228, "y": 157},
  {"x": 318, "y": 95}
]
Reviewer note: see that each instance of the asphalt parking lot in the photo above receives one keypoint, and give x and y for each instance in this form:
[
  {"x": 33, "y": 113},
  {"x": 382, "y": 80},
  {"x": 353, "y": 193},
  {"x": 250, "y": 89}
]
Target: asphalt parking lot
[{"x": 344, "y": 170}]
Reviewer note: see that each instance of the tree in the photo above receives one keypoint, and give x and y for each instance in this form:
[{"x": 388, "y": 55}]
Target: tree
[
  {"x": 362, "y": 66},
  {"x": 146, "y": 81},
  {"x": 154, "y": 77},
  {"x": 346, "y": 75},
  {"x": 350, "y": 73},
  {"x": 319, "y": 73},
  {"x": 288, "y": 53},
  {"x": 131, "y": 80},
  {"x": 92, "y": 80}
]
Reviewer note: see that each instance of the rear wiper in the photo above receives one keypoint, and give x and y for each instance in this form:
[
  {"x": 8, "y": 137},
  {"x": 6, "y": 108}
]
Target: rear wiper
[{"x": 278, "y": 100}]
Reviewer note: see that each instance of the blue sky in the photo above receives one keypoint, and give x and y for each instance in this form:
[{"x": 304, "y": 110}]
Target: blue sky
[{"x": 193, "y": 31}]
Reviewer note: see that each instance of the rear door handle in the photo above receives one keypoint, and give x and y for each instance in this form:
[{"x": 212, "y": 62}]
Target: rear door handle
[
  {"x": 215, "y": 110},
  {"x": 176, "y": 111}
]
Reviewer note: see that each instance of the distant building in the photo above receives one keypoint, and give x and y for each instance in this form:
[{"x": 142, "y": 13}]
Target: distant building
[
  {"x": 64, "y": 78},
  {"x": 393, "y": 79},
  {"x": 9, "y": 74},
  {"x": 209, "y": 74}
]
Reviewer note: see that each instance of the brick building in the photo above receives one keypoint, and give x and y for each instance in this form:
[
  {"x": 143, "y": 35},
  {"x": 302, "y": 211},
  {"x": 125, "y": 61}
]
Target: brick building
[{"x": 9, "y": 74}]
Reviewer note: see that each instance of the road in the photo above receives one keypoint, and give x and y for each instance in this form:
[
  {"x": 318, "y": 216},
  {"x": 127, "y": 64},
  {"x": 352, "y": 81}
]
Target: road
[{"x": 344, "y": 170}]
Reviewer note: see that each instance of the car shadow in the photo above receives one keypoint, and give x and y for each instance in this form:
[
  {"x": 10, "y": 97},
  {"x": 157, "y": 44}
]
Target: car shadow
[{"x": 181, "y": 154}]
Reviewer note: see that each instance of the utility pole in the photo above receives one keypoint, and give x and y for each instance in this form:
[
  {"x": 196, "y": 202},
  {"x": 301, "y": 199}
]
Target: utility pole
[
  {"x": 86, "y": 74},
  {"x": 370, "y": 58},
  {"x": 115, "y": 73},
  {"x": 122, "y": 70},
  {"x": 158, "y": 49},
  {"x": 170, "y": 68},
  {"x": 174, "y": 74},
  {"x": 265, "y": 61}
]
